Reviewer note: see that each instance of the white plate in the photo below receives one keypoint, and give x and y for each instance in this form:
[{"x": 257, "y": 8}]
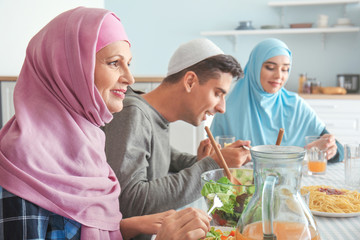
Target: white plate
[{"x": 335, "y": 215}]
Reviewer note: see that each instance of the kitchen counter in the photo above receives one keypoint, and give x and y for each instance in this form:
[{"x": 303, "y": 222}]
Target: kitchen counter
[
  {"x": 158, "y": 79},
  {"x": 332, "y": 96},
  {"x": 8, "y": 78},
  {"x": 137, "y": 79}
]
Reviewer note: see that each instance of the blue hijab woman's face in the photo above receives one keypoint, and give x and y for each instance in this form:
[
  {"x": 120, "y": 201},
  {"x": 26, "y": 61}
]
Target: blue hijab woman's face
[{"x": 274, "y": 73}]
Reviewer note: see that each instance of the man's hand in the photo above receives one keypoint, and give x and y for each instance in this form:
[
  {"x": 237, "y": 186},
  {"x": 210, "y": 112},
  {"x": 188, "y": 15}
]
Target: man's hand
[
  {"x": 234, "y": 154},
  {"x": 205, "y": 149}
]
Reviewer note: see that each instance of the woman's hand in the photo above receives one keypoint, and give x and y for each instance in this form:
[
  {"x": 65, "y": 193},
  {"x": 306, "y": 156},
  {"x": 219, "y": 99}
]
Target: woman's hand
[
  {"x": 186, "y": 224},
  {"x": 147, "y": 224},
  {"x": 326, "y": 141}
]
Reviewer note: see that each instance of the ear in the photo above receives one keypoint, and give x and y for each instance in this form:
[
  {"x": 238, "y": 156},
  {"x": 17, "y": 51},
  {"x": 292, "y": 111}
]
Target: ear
[{"x": 190, "y": 80}]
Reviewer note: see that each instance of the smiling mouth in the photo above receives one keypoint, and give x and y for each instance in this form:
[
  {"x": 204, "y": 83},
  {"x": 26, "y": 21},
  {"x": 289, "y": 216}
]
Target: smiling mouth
[
  {"x": 119, "y": 92},
  {"x": 207, "y": 114}
]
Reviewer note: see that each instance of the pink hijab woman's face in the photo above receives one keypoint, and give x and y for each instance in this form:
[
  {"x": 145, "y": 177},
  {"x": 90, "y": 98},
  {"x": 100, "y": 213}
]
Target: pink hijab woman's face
[{"x": 112, "y": 74}]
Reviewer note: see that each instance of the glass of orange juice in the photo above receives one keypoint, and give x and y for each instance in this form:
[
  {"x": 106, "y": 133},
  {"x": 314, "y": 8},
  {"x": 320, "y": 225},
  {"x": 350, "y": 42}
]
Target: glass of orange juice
[{"x": 316, "y": 154}]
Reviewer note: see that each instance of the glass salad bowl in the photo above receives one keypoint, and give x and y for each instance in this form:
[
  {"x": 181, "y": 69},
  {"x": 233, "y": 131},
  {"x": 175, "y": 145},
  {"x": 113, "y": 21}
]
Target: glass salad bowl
[{"x": 234, "y": 197}]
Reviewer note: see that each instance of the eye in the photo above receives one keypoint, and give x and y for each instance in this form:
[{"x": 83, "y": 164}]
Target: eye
[
  {"x": 269, "y": 67},
  {"x": 219, "y": 94},
  {"x": 285, "y": 69},
  {"x": 114, "y": 63}
]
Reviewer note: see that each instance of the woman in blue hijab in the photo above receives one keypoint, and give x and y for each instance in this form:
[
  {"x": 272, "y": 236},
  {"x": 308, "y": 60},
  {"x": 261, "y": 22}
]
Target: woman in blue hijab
[{"x": 258, "y": 105}]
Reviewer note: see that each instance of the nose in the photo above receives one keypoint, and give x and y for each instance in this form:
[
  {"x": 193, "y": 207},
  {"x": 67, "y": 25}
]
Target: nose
[
  {"x": 221, "y": 106},
  {"x": 278, "y": 73},
  {"x": 127, "y": 77}
]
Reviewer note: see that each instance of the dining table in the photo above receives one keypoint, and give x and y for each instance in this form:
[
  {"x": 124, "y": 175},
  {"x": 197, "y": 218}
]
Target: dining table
[{"x": 330, "y": 228}]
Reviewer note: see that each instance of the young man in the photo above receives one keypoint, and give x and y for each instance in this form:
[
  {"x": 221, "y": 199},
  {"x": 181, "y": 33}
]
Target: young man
[{"x": 153, "y": 176}]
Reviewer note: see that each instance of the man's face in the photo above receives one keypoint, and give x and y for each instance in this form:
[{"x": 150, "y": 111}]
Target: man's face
[{"x": 208, "y": 99}]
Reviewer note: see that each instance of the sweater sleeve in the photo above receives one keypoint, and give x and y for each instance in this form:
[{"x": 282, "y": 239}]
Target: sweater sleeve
[
  {"x": 339, "y": 156},
  {"x": 180, "y": 160},
  {"x": 128, "y": 150}
]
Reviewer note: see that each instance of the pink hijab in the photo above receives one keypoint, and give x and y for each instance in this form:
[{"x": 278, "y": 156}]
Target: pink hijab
[{"x": 52, "y": 150}]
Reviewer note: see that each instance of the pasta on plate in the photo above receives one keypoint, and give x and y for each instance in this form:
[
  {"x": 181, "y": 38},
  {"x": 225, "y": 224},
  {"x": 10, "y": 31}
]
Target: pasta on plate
[{"x": 333, "y": 200}]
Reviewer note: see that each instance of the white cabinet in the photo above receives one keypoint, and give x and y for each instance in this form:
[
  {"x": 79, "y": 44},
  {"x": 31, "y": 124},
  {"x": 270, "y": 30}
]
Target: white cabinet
[
  {"x": 145, "y": 86},
  {"x": 341, "y": 117},
  {"x": 7, "y": 100}
]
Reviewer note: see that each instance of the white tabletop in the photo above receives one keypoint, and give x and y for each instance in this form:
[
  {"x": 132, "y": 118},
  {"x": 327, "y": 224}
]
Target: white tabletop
[{"x": 329, "y": 228}]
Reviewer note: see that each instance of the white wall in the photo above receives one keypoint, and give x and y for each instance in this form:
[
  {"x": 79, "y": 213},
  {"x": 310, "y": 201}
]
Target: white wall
[
  {"x": 22, "y": 19},
  {"x": 157, "y": 27}
]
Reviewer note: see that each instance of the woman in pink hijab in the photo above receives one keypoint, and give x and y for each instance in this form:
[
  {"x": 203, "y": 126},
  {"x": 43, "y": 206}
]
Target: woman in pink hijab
[{"x": 54, "y": 178}]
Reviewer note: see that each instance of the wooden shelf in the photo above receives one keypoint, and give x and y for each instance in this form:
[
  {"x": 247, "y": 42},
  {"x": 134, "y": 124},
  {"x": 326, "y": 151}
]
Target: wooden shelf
[
  {"x": 234, "y": 33},
  {"x": 323, "y": 31},
  {"x": 308, "y": 3}
]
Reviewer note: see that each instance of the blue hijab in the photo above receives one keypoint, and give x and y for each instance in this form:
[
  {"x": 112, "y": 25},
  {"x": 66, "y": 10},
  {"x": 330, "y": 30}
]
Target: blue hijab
[{"x": 253, "y": 114}]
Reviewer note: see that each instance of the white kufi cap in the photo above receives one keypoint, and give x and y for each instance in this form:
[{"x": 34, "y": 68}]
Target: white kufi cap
[{"x": 191, "y": 53}]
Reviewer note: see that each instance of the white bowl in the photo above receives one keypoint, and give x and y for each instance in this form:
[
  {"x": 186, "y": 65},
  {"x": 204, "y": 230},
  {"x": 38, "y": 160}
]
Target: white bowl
[{"x": 343, "y": 21}]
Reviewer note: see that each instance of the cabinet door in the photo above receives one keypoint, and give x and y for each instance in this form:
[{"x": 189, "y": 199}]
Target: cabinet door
[
  {"x": 341, "y": 117},
  {"x": 7, "y": 101},
  {"x": 183, "y": 137},
  {"x": 186, "y": 137},
  {"x": 145, "y": 86}
]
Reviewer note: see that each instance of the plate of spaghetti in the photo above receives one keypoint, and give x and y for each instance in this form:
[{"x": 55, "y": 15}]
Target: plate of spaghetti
[{"x": 327, "y": 201}]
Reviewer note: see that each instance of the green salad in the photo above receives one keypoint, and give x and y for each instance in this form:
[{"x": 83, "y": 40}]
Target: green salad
[
  {"x": 217, "y": 234},
  {"x": 234, "y": 199}
]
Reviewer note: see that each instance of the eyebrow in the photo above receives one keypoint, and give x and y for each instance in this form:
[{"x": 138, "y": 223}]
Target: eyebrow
[
  {"x": 222, "y": 90},
  {"x": 115, "y": 55},
  {"x": 269, "y": 62},
  {"x": 119, "y": 56}
]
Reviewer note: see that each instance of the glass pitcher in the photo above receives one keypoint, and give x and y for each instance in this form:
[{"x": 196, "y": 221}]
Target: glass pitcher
[{"x": 277, "y": 210}]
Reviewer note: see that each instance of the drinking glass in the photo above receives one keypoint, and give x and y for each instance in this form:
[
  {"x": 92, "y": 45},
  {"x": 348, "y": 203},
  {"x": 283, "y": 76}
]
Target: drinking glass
[
  {"x": 316, "y": 154},
  {"x": 224, "y": 140},
  {"x": 352, "y": 165}
]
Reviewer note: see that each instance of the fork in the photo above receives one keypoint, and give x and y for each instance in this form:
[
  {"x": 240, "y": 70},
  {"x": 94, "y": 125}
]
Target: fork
[{"x": 217, "y": 203}]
